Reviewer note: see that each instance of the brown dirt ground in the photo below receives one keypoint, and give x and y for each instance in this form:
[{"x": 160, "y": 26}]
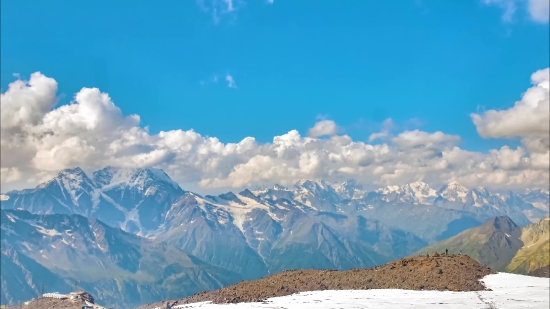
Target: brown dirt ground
[
  {"x": 541, "y": 272},
  {"x": 452, "y": 272}
]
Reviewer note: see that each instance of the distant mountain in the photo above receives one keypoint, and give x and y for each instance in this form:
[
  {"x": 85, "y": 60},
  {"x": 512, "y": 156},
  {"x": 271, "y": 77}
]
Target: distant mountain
[
  {"x": 253, "y": 237},
  {"x": 138, "y": 200},
  {"x": 535, "y": 252},
  {"x": 120, "y": 269},
  {"x": 132, "y": 199},
  {"x": 493, "y": 244}
]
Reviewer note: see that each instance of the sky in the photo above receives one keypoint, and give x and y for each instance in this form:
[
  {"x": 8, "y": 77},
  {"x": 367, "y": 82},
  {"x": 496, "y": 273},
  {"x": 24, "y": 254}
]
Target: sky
[{"x": 225, "y": 94}]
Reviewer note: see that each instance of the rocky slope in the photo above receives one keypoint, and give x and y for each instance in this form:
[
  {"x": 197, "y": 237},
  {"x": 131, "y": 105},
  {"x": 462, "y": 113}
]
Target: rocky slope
[
  {"x": 454, "y": 273},
  {"x": 535, "y": 252}
]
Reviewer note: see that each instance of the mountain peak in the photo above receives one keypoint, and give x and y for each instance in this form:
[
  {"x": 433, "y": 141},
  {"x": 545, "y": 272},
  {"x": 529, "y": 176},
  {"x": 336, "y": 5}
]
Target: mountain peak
[
  {"x": 230, "y": 196},
  {"x": 278, "y": 187},
  {"x": 247, "y": 193},
  {"x": 501, "y": 223},
  {"x": 136, "y": 177},
  {"x": 415, "y": 192},
  {"x": 310, "y": 184},
  {"x": 454, "y": 192}
]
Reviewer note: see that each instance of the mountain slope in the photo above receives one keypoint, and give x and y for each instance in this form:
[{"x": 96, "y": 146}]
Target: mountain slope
[
  {"x": 120, "y": 269},
  {"x": 493, "y": 244},
  {"x": 535, "y": 252},
  {"x": 134, "y": 200},
  {"x": 255, "y": 237}
]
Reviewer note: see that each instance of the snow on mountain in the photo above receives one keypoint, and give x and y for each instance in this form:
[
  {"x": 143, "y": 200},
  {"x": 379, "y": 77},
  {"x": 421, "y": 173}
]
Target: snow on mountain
[
  {"x": 454, "y": 192},
  {"x": 239, "y": 206},
  {"x": 350, "y": 189},
  {"x": 415, "y": 193},
  {"x": 132, "y": 199},
  {"x": 139, "y": 178},
  {"x": 539, "y": 198}
]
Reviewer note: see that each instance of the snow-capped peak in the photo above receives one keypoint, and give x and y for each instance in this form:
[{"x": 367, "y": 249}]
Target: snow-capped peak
[
  {"x": 454, "y": 192},
  {"x": 141, "y": 178},
  {"x": 415, "y": 192},
  {"x": 312, "y": 184},
  {"x": 350, "y": 189}
]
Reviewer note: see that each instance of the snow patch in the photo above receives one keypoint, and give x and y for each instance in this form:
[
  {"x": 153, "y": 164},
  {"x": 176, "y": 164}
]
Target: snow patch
[
  {"x": 48, "y": 232},
  {"x": 508, "y": 291}
]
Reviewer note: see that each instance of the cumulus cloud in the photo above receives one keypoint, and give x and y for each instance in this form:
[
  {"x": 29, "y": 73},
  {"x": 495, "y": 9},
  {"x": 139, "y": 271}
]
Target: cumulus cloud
[
  {"x": 40, "y": 138},
  {"x": 323, "y": 128},
  {"x": 528, "y": 119},
  {"x": 416, "y": 138},
  {"x": 537, "y": 9}
]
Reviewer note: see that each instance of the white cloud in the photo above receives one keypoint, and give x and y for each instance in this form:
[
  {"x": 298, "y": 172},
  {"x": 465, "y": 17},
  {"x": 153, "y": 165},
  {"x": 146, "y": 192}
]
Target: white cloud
[
  {"x": 384, "y": 134},
  {"x": 528, "y": 119},
  {"x": 38, "y": 139},
  {"x": 538, "y": 10},
  {"x": 323, "y": 128},
  {"x": 230, "y": 81},
  {"x": 219, "y": 8},
  {"x": 416, "y": 138}
]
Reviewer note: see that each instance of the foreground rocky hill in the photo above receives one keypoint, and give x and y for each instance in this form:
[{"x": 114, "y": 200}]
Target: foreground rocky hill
[{"x": 453, "y": 273}]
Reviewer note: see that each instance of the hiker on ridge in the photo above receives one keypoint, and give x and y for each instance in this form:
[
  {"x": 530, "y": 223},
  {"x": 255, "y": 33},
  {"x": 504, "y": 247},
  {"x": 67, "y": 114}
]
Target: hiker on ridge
[{"x": 446, "y": 251}]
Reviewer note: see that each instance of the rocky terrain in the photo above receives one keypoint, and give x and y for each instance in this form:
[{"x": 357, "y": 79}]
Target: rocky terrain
[
  {"x": 541, "y": 272},
  {"x": 437, "y": 272},
  {"x": 49, "y": 302}
]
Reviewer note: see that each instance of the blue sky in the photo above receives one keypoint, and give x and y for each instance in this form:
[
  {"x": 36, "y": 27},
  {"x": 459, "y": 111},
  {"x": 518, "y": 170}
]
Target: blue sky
[
  {"x": 356, "y": 62},
  {"x": 425, "y": 64}
]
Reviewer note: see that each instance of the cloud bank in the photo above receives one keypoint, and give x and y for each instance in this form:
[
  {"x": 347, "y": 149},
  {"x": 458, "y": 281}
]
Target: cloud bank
[{"x": 39, "y": 138}]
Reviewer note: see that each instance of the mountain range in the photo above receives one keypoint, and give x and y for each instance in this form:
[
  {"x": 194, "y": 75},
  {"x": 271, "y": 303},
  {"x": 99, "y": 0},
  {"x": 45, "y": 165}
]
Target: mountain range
[{"x": 155, "y": 236}]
